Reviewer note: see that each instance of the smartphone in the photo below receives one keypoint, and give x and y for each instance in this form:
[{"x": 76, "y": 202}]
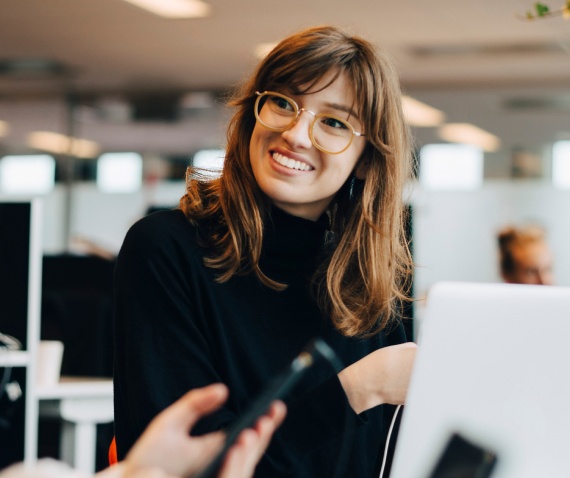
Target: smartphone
[
  {"x": 465, "y": 459},
  {"x": 277, "y": 389}
]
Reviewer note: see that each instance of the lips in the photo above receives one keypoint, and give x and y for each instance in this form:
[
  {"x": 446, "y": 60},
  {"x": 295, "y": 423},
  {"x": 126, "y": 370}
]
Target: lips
[{"x": 291, "y": 163}]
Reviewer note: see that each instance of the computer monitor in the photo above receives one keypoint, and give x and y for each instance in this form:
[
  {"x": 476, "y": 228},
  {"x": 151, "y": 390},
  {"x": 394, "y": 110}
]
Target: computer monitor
[
  {"x": 20, "y": 296},
  {"x": 20, "y": 269},
  {"x": 492, "y": 368}
]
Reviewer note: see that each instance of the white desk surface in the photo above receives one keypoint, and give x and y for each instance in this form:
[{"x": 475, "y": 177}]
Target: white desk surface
[
  {"x": 77, "y": 387},
  {"x": 82, "y": 402}
]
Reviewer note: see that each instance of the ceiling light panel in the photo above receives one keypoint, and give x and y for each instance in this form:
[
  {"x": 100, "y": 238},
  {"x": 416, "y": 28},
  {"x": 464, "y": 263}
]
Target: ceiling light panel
[
  {"x": 561, "y": 164},
  {"x": 174, "y": 8},
  {"x": 27, "y": 174},
  {"x": 421, "y": 115},
  {"x": 451, "y": 167},
  {"x": 119, "y": 172},
  {"x": 61, "y": 144},
  {"x": 466, "y": 133}
]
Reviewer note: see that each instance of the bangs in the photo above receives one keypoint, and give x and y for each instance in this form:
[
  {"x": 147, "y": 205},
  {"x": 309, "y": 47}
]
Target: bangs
[
  {"x": 298, "y": 63},
  {"x": 299, "y": 72}
]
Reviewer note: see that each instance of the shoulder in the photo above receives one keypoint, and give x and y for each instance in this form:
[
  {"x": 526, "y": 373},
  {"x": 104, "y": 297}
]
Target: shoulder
[
  {"x": 161, "y": 245},
  {"x": 161, "y": 226},
  {"x": 161, "y": 221},
  {"x": 167, "y": 231}
]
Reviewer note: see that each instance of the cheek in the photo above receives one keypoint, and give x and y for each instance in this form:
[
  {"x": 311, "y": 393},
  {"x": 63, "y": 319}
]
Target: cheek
[{"x": 354, "y": 163}]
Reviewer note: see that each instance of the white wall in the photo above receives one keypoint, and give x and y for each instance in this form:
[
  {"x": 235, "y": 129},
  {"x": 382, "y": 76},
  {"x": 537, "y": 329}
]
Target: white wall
[
  {"x": 98, "y": 217},
  {"x": 454, "y": 232}
]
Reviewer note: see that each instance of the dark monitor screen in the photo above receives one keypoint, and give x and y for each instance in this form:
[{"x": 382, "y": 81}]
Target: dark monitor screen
[{"x": 15, "y": 237}]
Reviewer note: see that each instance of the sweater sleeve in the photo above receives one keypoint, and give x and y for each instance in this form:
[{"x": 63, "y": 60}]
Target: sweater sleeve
[
  {"x": 321, "y": 422},
  {"x": 160, "y": 350}
]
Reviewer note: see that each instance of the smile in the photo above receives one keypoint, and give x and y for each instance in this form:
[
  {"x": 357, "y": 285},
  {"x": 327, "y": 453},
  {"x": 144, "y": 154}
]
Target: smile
[{"x": 291, "y": 163}]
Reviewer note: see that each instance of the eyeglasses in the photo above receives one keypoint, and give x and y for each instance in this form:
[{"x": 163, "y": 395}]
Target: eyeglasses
[{"x": 328, "y": 133}]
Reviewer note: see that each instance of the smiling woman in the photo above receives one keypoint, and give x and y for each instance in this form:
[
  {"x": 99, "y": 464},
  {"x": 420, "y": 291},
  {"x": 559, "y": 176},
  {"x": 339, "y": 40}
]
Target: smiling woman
[
  {"x": 303, "y": 160},
  {"x": 301, "y": 236}
]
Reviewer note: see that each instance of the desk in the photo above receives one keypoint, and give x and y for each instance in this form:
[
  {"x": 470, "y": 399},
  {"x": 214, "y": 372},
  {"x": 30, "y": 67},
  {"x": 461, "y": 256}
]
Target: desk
[{"x": 82, "y": 403}]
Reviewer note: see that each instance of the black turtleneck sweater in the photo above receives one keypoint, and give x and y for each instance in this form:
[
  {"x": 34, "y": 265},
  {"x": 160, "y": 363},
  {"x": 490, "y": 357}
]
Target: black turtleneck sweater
[{"x": 176, "y": 328}]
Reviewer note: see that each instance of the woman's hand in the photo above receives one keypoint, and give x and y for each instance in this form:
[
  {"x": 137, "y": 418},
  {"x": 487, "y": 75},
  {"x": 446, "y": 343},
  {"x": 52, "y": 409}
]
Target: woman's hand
[
  {"x": 166, "y": 449},
  {"x": 381, "y": 377}
]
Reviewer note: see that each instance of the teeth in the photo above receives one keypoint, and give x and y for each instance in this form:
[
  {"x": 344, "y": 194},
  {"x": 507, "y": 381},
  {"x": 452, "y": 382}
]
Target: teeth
[{"x": 291, "y": 163}]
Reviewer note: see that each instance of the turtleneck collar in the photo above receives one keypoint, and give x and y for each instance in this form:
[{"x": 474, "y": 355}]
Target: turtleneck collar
[{"x": 290, "y": 243}]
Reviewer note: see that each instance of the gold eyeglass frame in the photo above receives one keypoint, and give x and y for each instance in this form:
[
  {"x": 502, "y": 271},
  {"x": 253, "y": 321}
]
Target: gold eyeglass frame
[{"x": 298, "y": 112}]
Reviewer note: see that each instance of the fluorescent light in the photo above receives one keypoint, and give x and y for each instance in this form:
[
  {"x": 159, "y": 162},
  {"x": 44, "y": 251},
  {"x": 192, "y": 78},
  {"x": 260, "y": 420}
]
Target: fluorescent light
[
  {"x": 469, "y": 134},
  {"x": 561, "y": 164},
  {"x": 420, "y": 114},
  {"x": 119, "y": 172},
  {"x": 451, "y": 166},
  {"x": 61, "y": 144},
  {"x": 27, "y": 174},
  {"x": 4, "y": 128},
  {"x": 263, "y": 49},
  {"x": 174, "y": 8}
]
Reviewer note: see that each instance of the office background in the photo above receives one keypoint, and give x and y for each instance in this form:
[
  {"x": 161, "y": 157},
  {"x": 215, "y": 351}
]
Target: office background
[
  {"x": 123, "y": 79},
  {"x": 81, "y": 80}
]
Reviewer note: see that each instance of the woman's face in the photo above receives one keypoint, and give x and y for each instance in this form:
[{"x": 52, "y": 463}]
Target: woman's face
[{"x": 290, "y": 170}]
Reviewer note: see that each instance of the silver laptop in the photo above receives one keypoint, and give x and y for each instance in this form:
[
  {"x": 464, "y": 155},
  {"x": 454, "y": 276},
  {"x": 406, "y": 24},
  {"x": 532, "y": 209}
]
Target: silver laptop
[{"x": 493, "y": 367}]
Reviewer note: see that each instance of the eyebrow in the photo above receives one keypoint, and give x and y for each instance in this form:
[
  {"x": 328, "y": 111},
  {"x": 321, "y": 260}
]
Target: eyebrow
[
  {"x": 346, "y": 109},
  {"x": 336, "y": 106}
]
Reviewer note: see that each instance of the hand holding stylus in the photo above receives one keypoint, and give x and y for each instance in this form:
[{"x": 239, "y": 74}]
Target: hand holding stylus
[{"x": 166, "y": 449}]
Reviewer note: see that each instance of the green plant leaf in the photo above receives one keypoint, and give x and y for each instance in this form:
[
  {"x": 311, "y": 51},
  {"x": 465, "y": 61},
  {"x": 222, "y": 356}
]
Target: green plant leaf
[{"x": 541, "y": 9}]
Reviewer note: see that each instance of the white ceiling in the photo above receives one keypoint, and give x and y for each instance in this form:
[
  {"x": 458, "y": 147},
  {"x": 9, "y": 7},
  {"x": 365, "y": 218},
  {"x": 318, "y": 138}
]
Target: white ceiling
[{"x": 468, "y": 58}]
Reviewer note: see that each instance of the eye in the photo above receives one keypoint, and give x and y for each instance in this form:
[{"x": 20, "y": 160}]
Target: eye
[
  {"x": 334, "y": 123},
  {"x": 280, "y": 103}
]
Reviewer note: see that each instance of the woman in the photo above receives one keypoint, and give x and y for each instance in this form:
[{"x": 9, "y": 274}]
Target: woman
[{"x": 302, "y": 236}]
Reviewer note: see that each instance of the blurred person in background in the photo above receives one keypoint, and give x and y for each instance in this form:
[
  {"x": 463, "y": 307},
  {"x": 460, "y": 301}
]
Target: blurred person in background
[{"x": 525, "y": 256}]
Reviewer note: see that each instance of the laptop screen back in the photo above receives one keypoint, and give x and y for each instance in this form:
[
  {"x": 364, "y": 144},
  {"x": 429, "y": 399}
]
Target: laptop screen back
[{"x": 493, "y": 366}]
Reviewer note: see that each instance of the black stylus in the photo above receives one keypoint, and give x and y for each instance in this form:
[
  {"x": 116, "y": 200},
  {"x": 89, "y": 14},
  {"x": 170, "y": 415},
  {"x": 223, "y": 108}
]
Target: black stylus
[{"x": 276, "y": 390}]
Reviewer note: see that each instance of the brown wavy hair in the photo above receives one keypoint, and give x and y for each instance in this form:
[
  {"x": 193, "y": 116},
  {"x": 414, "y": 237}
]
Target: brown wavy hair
[{"x": 362, "y": 282}]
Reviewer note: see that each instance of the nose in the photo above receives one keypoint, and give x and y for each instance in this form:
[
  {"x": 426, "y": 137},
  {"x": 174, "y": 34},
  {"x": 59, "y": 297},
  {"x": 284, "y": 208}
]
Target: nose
[{"x": 298, "y": 134}]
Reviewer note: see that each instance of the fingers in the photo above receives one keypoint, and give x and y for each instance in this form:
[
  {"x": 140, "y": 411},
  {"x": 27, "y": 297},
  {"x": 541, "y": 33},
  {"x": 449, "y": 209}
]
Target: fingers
[
  {"x": 195, "y": 404},
  {"x": 167, "y": 444},
  {"x": 267, "y": 424},
  {"x": 243, "y": 457},
  {"x": 240, "y": 460}
]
